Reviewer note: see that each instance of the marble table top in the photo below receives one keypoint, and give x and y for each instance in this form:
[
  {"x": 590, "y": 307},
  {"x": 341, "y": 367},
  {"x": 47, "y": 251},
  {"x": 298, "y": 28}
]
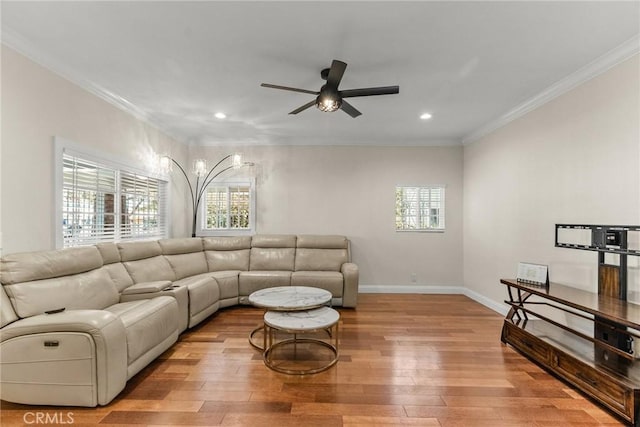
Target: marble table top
[
  {"x": 300, "y": 321},
  {"x": 290, "y": 298}
]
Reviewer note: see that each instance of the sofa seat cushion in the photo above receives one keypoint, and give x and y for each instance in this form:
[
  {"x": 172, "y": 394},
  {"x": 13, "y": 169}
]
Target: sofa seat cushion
[
  {"x": 203, "y": 292},
  {"x": 147, "y": 323},
  {"x": 331, "y": 281},
  {"x": 251, "y": 281}
]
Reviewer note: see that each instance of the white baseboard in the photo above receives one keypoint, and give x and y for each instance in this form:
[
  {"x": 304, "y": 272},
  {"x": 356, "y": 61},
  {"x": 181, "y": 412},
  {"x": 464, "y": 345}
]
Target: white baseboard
[
  {"x": 409, "y": 289},
  {"x": 487, "y": 302},
  {"x": 425, "y": 289}
]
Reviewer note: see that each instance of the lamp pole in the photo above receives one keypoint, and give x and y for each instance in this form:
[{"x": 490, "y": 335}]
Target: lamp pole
[{"x": 200, "y": 187}]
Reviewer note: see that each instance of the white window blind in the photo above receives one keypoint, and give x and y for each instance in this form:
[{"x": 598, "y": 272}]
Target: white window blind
[
  {"x": 142, "y": 201},
  {"x": 228, "y": 207},
  {"x": 104, "y": 203},
  {"x": 420, "y": 208}
]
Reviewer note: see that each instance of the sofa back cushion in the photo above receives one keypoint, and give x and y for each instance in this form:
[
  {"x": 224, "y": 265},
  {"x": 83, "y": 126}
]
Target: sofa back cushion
[
  {"x": 29, "y": 266},
  {"x": 117, "y": 272},
  {"x": 227, "y": 253},
  {"x": 181, "y": 246},
  {"x": 144, "y": 262},
  {"x": 272, "y": 252},
  {"x": 152, "y": 269},
  {"x": 90, "y": 290},
  {"x": 133, "y": 251},
  {"x": 7, "y": 314},
  {"x": 321, "y": 253},
  {"x": 186, "y": 265},
  {"x": 72, "y": 278},
  {"x": 109, "y": 253},
  {"x": 185, "y": 256}
]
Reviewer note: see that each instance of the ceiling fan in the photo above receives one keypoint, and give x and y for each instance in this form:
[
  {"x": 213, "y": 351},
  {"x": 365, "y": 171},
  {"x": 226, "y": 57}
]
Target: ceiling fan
[{"x": 329, "y": 98}]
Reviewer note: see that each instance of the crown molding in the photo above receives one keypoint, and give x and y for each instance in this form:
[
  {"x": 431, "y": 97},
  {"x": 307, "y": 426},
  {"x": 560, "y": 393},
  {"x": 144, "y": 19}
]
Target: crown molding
[
  {"x": 598, "y": 66},
  {"x": 619, "y": 54},
  {"x": 21, "y": 45}
]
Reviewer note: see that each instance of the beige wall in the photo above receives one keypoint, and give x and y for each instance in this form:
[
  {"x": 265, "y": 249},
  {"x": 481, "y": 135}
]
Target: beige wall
[
  {"x": 38, "y": 105},
  {"x": 300, "y": 189},
  {"x": 351, "y": 191},
  {"x": 574, "y": 160}
]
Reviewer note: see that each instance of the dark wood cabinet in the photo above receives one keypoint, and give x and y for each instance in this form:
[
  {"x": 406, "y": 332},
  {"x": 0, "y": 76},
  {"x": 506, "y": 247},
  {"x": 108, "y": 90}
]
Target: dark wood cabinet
[{"x": 584, "y": 338}]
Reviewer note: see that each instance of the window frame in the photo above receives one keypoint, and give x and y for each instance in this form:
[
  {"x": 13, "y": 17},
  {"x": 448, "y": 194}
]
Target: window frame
[
  {"x": 202, "y": 209},
  {"x": 63, "y": 146},
  {"x": 430, "y": 187}
]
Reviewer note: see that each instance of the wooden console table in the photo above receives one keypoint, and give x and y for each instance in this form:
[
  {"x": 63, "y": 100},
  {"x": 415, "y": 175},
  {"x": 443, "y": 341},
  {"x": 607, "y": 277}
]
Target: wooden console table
[{"x": 582, "y": 337}]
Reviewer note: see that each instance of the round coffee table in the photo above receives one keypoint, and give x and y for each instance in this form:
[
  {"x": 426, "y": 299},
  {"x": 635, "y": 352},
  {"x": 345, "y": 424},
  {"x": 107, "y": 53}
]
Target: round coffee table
[
  {"x": 287, "y": 298},
  {"x": 323, "y": 319}
]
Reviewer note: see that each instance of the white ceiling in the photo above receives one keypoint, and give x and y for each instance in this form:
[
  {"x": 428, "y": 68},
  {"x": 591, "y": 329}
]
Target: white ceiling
[{"x": 473, "y": 65}]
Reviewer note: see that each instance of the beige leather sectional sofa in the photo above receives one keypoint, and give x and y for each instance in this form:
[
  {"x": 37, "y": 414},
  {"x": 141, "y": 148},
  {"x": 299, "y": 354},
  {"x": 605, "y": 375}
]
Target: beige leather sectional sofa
[{"x": 76, "y": 324}]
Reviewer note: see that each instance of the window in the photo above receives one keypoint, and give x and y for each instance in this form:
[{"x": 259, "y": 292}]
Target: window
[
  {"x": 102, "y": 202},
  {"x": 420, "y": 208},
  {"x": 88, "y": 202},
  {"x": 228, "y": 206},
  {"x": 141, "y": 202}
]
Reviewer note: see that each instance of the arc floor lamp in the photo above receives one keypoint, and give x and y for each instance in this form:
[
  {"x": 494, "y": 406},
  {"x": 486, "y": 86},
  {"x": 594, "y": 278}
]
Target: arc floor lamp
[{"x": 200, "y": 171}]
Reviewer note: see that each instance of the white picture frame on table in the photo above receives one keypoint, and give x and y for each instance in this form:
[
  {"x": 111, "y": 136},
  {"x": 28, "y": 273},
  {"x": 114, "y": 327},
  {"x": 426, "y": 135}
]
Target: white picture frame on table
[{"x": 534, "y": 274}]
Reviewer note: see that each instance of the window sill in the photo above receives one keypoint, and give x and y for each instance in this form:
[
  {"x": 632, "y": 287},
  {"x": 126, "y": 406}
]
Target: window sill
[
  {"x": 440, "y": 230},
  {"x": 227, "y": 232}
]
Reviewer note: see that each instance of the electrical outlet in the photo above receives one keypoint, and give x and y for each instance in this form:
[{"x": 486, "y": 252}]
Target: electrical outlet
[{"x": 414, "y": 277}]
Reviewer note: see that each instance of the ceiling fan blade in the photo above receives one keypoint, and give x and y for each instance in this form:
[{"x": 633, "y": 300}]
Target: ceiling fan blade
[
  {"x": 350, "y": 109},
  {"x": 335, "y": 73},
  {"x": 292, "y": 89},
  {"x": 369, "y": 91},
  {"x": 304, "y": 107}
]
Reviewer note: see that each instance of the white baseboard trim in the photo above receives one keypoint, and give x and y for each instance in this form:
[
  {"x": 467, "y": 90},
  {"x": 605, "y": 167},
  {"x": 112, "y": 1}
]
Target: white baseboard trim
[
  {"x": 487, "y": 302},
  {"x": 409, "y": 289},
  {"x": 425, "y": 289}
]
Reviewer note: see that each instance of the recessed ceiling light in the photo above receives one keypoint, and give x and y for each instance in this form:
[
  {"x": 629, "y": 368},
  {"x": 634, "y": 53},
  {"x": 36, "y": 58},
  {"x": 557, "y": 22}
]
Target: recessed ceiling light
[
  {"x": 425, "y": 116},
  {"x": 220, "y": 115}
]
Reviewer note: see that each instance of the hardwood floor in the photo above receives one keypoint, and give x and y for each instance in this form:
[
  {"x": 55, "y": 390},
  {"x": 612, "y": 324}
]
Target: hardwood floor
[{"x": 414, "y": 360}]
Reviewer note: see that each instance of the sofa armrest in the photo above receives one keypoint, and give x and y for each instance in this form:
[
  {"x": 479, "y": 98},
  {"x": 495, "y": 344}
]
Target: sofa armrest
[
  {"x": 105, "y": 329},
  {"x": 351, "y": 274},
  {"x": 147, "y": 287}
]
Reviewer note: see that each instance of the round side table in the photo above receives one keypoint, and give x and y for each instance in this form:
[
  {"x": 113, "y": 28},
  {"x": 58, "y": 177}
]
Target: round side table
[
  {"x": 323, "y": 319},
  {"x": 287, "y": 298}
]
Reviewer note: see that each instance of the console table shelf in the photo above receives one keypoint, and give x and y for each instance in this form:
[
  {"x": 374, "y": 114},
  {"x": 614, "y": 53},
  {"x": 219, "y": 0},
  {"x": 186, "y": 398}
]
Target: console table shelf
[{"x": 595, "y": 364}]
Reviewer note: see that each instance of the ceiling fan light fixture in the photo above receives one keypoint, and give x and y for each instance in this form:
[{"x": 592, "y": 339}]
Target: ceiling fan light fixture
[
  {"x": 328, "y": 104},
  {"x": 329, "y": 98}
]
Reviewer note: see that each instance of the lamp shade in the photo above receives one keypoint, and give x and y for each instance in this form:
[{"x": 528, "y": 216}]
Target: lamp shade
[
  {"x": 236, "y": 160},
  {"x": 200, "y": 167},
  {"x": 166, "y": 165}
]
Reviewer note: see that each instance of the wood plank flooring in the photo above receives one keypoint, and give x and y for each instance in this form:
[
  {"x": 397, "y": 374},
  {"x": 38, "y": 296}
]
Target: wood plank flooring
[{"x": 410, "y": 360}]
